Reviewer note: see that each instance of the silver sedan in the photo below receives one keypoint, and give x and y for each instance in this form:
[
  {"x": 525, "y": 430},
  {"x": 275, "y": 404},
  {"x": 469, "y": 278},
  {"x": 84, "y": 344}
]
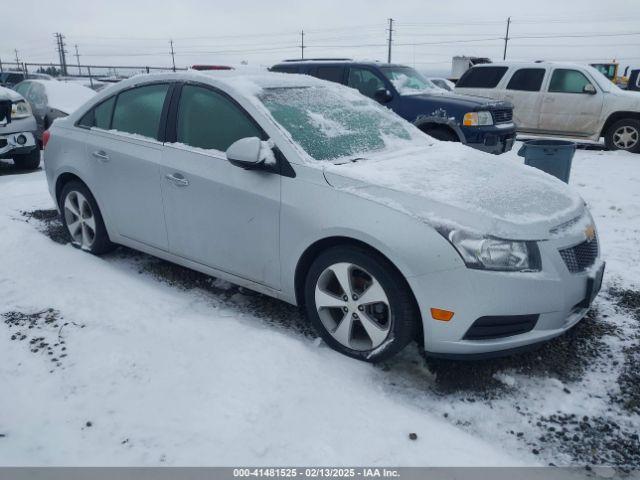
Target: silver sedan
[{"x": 309, "y": 192}]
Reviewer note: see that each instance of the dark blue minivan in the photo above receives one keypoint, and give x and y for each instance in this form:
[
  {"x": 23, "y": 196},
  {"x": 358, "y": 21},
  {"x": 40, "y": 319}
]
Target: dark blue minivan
[{"x": 475, "y": 121}]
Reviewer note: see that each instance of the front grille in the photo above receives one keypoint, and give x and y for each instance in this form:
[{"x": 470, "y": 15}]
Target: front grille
[
  {"x": 3, "y": 142},
  {"x": 580, "y": 257},
  {"x": 502, "y": 116},
  {"x": 485, "y": 328}
]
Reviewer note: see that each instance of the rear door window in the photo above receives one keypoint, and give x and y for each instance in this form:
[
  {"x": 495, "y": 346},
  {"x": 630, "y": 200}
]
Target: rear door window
[
  {"x": 284, "y": 69},
  {"x": 209, "y": 120},
  {"x": 139, "y": 110},
  {"x": 482, "y": 77},
  {"x": 527, "y": 80},
  {"x": 330, "y": 73}
]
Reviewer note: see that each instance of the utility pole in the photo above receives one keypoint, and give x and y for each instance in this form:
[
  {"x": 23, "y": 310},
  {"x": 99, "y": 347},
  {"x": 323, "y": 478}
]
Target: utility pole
[
  {"x": 17, "y": 58},
  {"x": 57, "y": 35},
  {"x": 506, "y": 39},
  {"x": 77, "y": 55},
  {"x": 390, "y": 39},
  {"x": 302, "y": 44},
  {"x": 62, "y": 53},
  {"x": 173, "y": 58}
]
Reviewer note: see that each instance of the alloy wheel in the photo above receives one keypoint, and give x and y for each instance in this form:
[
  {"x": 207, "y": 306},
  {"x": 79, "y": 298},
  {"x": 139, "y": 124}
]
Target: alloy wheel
[
  {"x": 626, "y": 137},
  {"x": 80, "y": 219},
  {"x": 353, "y": 306}
]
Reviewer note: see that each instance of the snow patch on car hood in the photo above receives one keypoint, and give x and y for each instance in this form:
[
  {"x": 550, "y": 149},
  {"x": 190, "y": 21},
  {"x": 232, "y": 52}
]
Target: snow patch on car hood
[{"x": 454, "y": 186}]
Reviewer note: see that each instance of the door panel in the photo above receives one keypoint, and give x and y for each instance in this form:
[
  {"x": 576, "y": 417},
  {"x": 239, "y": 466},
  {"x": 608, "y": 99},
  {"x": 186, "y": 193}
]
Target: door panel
[
  {"x": 127, "y": 179},
  {"x": 222, "y": 216},
  {"x": 523, "y": 90},
  {"x": 566, "y": 109}
]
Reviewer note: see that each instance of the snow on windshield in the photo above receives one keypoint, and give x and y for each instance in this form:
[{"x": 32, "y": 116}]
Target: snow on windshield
[
  {"x": 408, "y": 81},
  {"x": 331, "y": 122}
]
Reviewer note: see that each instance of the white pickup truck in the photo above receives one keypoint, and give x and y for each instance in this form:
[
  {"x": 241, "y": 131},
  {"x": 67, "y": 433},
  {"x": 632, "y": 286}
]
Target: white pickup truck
[{"x": 560, "y": 100}]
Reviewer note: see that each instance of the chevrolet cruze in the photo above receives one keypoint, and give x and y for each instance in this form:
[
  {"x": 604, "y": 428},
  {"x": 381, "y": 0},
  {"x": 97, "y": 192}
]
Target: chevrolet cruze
[{"x": 312, "y": 193}]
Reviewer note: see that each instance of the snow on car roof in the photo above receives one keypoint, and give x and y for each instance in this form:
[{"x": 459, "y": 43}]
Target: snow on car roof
[{"x": 64, "y": 96}]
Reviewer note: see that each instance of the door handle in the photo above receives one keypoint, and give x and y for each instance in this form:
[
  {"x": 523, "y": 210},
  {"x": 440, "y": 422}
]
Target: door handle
[
  {"x": 177, "y": 179},
  {"x": 101, "y": 155},
  {"x": 549, "y": 100}
]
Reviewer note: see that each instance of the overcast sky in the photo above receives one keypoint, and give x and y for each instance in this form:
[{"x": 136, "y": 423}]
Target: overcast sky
[{"x": 427, "y": 33}]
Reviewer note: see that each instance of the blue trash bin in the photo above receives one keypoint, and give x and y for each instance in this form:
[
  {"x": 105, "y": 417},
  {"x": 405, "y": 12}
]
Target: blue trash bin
[{"x": 551, "y": 156}]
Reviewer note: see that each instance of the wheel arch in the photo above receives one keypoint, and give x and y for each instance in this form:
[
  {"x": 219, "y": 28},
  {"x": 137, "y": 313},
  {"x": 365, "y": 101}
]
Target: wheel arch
[
  {"x": 616, "y": 116},
  {"x": 65, "y": 178},
  {"x": 426, "y": 124},
  {"x": 319, "y": 246}
]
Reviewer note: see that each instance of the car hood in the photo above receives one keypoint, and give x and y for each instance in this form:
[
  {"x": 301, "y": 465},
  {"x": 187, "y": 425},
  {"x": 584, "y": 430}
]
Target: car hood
[
  {"x": 10, "y": 94},
  {"x": 452, "y": 186},
  {"x": 629, "y": 97},
  {"x": 470, "y": 102}
]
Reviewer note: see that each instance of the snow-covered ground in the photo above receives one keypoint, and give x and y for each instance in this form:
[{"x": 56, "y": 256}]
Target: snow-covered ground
[{"x": 129, "y": 360}]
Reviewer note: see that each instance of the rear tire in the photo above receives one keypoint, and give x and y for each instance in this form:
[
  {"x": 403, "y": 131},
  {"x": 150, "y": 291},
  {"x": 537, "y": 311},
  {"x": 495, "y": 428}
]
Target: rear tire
[
  {"x": 28, "y": 161},
  {"x": 83, "y": 220},
  {"x": 372, "y": 321},
  {"x": 624, "y": 135}
]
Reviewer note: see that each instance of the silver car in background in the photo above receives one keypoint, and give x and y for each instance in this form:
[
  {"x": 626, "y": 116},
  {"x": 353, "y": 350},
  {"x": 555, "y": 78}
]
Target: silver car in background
[
  {"x": 17, "y": 131},
  {"x": 314, "y": 194},
  {"x": 51, "y": 99}
]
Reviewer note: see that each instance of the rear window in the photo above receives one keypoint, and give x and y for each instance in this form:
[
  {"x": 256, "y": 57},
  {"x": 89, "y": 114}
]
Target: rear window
[
  {"x": 527, "y": 80},
  {"x": 482, "y": 77},
  {"x": 99, "y": 116}
]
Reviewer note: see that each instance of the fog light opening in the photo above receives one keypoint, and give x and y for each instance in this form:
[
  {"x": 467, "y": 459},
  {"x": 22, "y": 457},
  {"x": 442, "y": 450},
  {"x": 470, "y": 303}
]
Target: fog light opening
[{"x": 21, "y": 139}]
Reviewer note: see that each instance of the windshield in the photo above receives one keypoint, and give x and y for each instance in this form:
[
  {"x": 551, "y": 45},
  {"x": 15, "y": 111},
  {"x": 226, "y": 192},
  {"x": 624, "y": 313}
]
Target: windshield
[
  {"x": 332, "y": 123},
  {"x": 408, "y": 81}
]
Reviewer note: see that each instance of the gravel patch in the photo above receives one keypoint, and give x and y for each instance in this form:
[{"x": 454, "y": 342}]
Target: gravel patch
[{"x": 42, "y": 332}]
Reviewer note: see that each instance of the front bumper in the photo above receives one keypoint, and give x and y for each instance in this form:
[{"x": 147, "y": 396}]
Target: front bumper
[
  {"x": 9, "y": 133},
  {"x": 494, "y": 139},
  {"x": 10, "y": 144},
  {"x": 560, "y": 299}
]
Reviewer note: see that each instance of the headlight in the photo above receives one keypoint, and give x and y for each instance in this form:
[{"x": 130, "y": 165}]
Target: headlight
[
  {"x": 474, "y": 119},
  {"x": 20, "y": 109},
  {"x": 491, "y": 253}
]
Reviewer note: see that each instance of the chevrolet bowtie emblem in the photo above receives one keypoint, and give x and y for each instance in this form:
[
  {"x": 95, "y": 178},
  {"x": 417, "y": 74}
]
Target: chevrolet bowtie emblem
[{"x": 590, "y": 233}]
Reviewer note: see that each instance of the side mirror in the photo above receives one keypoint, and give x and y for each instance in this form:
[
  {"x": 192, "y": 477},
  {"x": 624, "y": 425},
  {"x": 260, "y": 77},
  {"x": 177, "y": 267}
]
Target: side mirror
[
  {"x": 383, "y": 96},
  {"x": 250, "y": 153},
  {"x": 590, "y": 89}
]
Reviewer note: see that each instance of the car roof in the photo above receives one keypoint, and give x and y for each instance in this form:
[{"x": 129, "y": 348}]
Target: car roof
[
  {"x": 534, "y": 64},
  {"x": 368, "y": 63}
]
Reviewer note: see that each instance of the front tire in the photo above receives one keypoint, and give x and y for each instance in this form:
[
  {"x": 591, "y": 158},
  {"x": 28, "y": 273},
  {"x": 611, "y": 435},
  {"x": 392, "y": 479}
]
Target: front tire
[
  {"x": 360, "y": 304},
  {"x": 83, "y": 220},
  {"x": 624, "y": 135},
  {"x": 27, "y": 161}
]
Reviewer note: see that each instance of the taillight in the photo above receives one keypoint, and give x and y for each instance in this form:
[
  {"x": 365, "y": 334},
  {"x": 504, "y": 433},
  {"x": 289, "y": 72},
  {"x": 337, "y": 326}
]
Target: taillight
[{"x": 45, "y": 138}]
